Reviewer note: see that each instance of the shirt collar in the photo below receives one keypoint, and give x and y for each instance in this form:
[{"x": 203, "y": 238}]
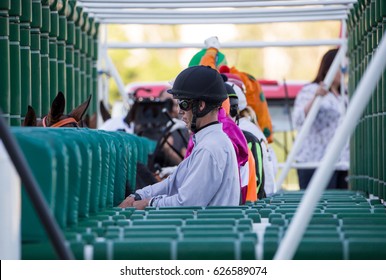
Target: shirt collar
[{"x": 205, "y": 131}]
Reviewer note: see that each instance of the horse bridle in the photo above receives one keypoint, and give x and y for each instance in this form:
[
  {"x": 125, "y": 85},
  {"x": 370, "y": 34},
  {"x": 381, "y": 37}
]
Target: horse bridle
[{"x": 61, "y": 123}]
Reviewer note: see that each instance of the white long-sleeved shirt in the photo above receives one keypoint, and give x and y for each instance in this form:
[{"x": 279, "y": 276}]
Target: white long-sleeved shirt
[
  {"x": 208, "y": 177},
  {"x": 269, "y": 157},
  {"x": 117, "y": 123},
  {"x": 323, "y": 127}
]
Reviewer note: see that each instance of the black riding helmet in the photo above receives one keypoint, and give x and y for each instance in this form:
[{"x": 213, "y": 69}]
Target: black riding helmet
[{"x": 200, "y": 83}]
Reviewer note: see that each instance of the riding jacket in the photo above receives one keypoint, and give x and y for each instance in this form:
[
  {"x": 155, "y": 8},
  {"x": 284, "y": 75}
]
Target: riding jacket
[{"x": 208, "y": 177}]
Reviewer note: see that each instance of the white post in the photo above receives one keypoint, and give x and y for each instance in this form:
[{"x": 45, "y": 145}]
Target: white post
[
  {"x": 311, "y": 116},
  {"x": 117, "y": 79},
  {"x": 10, "y": 208},
  {"x": 320, "y": 179}
]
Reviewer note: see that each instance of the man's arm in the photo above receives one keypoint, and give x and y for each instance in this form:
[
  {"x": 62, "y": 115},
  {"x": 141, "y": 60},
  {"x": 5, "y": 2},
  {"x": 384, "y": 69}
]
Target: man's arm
[{"x": 200, "y": 184}]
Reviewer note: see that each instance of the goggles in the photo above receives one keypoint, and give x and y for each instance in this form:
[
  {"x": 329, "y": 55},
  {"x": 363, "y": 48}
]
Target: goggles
[{"x": 185, "y": 105}]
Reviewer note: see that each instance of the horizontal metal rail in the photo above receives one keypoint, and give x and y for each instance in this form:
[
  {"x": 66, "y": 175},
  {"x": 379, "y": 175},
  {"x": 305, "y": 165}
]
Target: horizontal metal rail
[
  {"x": 121, "y": 4},
  {"x": 228, "y": 45},
  {"x": 220, "y": 20}
]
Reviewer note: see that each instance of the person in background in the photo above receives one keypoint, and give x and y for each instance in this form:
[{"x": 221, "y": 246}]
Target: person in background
[
  {"x": 324, "y": 126},
  {"x": 174, "y": 149},
  {"x": 209, "y": 175},
  {"x": 267, "y": 161}
]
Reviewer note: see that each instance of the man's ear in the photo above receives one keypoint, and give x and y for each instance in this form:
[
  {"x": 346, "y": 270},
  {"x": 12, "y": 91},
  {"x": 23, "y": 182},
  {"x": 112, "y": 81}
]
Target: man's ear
[{"x": 201, "y": 105}]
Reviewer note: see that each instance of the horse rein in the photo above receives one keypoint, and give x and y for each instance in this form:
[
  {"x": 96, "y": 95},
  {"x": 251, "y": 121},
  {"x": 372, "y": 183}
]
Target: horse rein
[{"x": 61, "y": 123}]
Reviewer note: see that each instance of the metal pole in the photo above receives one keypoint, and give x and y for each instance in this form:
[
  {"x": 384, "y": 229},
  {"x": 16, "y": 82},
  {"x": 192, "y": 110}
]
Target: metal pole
[
  {"x": 310, "y": 117},
  {"x": 245, "y": 44},
  {"x": 62, "y": 37},
  {"x": 320, "y": 179},
  {"x": 45, "y": 59},
  {"x": 36, "y": 24},
  {"x": 14, "y": 52},
  {"x": 117, "y": 78},
  {"x": 53, "y": 52}
]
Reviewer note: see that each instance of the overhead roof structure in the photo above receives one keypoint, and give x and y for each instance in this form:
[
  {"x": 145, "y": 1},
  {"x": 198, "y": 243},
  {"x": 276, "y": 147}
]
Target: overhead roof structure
[{"x": 174, "y": 12}]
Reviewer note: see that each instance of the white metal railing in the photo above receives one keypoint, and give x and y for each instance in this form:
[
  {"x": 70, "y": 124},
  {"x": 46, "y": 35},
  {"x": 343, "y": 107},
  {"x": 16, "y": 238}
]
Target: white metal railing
[
  {"x": 228, "y": 45},
  {"x": 322, "y": 175},
  {"x": 121, "y": 4}
]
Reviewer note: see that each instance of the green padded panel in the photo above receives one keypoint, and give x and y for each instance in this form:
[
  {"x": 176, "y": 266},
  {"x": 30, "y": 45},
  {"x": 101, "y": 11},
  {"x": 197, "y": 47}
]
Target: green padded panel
[
  {"x": 108, "y": 190},
  {"x": 367, "y": 248},
  {"x": 92, "y": 137},
  {"x": 211, "y": 222},
  {"x": 210, "y": 234},
  {"x": 208, "y": 249},
  {"x": 171, "y": 222},
  {"x": 77, "y": 248},
  {"x": 319, "y": 249},
  {"x": 38, "y": 251},
  {"x": 220, "y": 216},
  {"x": 85, "y": 183},
  {"x": 54, "y": 138},
  {"x": 151, "y": 235},
  {"x": 105, "y": 146},
  {"x": 247, "y": 249},
  {"x": 46, "y": 177},
  {"x": 170, "y": 216},
  {"x": 121, "y": 170},
  {"x": 171, "y": 211},
  {"x": 144, "y": 249},
  {"x": 365, "y": 221},
  {"x": 100, "y": 251},
  {"x": 207, "y": 228},
  {"x": 269, "y": 248},
  {"x": 74, "y": 176}
]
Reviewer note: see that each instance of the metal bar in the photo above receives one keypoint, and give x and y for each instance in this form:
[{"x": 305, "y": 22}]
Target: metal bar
[
  {"x": 311, "y": 116},
  {"x": 229, "y": 45},
  {"x": 206, "y": 12},
  {"x": 205, "y": 4},
  {"x": 319, "y": 181},
  {"x": 219, "y": 21},
  {"x": 213, "y": 16},
  {"x": 114, "y": 73},
  {"x": 304, "y": 165}
]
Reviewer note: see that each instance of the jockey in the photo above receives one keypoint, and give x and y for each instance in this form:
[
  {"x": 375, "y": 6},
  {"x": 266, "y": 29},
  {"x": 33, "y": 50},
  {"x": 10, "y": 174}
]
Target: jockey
[
  {"x": 253, "y": 91},
  {"x": 209, "y": 176}
]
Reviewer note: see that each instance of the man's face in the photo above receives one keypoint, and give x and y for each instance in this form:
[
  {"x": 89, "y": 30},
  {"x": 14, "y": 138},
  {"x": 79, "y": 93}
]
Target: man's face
[{"x": 185, "y": 110}]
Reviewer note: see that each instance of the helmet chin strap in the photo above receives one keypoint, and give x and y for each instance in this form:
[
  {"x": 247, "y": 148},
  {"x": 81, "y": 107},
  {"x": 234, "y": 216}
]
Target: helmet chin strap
[
  {"x": 199, "y": 114},
  {"x": 193, "y": 125}
]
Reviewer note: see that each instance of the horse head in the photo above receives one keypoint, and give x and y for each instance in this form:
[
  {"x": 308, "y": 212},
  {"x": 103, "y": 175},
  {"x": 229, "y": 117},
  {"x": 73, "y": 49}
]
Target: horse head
[{"x": 56, "y": 116}]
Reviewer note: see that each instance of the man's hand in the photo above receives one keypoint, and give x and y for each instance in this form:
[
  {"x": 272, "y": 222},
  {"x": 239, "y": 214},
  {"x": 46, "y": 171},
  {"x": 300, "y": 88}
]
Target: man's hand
[
  {"x": 141, "y": 204},
  {"x": 212, "y": 42},
  {"x": 128, "y": 202}
]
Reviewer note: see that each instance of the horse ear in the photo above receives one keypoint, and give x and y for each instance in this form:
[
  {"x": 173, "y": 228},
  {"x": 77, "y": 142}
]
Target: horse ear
[
  {"x": 79, "y": 111},
  {"x": 30, "y": 117},
  {"x": 104, "y": 112},
  {"x": 57, "y": 107}
]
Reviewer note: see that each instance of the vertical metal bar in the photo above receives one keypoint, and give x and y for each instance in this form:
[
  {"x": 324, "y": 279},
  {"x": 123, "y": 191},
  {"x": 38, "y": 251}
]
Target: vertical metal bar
[
  {"x": 5, "y": 96},
  {"x": 36, "y": 24},
  {"x": 53, "y": 52},
  {"x": 70, "y": 101},
  {"x": 62, "y": 77},
  {"x": 25, "y": 55},
  {"x": 45, "y": 60},
  {"x": 14, "y": 52},
  {"x": 320, "y": 179},
  {"x": 77, "y": 47}
]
